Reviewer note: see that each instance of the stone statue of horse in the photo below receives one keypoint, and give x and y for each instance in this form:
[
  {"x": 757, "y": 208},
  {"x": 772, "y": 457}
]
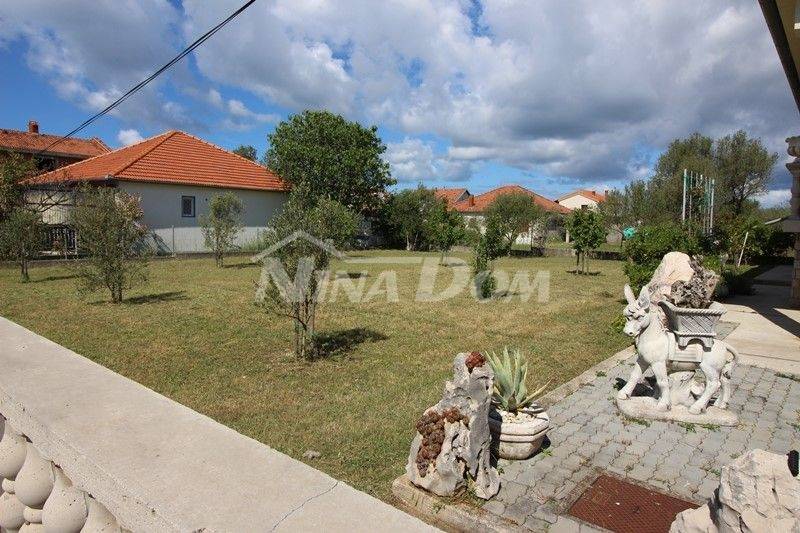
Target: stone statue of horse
[{"x": 656, "y": 347}]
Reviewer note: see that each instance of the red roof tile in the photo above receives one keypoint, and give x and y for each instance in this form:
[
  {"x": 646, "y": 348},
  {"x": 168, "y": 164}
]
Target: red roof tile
[
  {"x": 479, "y": 204},
  {"x": 172, "y": 157},
  {"x": 451, "y": 196},
  {"x": 25, "y": 141},
  {"x": 586, "y": 193}
]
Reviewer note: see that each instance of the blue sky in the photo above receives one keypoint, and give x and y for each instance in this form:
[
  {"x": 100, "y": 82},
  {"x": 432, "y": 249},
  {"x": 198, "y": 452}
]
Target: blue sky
[{"x": 550, "y": 95}]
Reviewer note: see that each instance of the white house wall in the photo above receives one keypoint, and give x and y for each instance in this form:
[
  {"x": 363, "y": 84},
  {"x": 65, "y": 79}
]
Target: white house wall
[
  {"x": 161, "y": 204},
  {"x": 577, "y": 201}
]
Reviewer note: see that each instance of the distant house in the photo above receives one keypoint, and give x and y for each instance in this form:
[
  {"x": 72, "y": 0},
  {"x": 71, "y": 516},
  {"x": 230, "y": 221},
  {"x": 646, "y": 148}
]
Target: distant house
[
  {"x": 452, "y": 196},
  {"x": 175, "y": 175},
  {"x": 474, "y": 207},
  {"x": 582, "y": 198},
  {"x": 49, "y": 154}
]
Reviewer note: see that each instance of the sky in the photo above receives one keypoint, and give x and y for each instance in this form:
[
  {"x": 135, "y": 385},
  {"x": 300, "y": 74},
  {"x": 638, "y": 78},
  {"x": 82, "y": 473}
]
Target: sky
[{"x": 548, "y": 94}]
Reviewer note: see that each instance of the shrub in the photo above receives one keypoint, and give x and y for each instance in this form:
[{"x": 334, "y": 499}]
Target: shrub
[
  {"x": 588, "y": 232},
  {"x": 643, "y": 252},
  {"x": 491, "y": 245}
]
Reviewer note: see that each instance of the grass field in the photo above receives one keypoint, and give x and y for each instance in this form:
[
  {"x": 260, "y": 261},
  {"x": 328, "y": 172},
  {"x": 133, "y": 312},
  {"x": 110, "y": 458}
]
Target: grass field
[{"x": 193, "y": 333}]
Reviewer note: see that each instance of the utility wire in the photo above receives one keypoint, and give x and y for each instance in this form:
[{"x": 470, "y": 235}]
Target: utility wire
[{"x": 203, "y": 38}]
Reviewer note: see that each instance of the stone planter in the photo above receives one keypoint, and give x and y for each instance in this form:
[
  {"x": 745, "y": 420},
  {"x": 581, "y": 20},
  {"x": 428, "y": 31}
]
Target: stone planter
[
  {"x": 518, "y": 436},
  {"x": 693, "y": 324}
]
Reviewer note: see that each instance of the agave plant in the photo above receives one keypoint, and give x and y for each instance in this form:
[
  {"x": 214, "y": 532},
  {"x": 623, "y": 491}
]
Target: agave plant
[{"x": 510, "y": 373}]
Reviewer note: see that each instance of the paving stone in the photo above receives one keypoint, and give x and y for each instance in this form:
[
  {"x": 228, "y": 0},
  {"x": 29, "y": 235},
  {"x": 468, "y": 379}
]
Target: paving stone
[
  {"x": 707, "y": 488},
  {"x": 494, "y": 506}
]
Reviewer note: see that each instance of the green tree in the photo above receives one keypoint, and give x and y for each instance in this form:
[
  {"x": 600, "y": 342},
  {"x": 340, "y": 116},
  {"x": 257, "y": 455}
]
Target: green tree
[
  {"x": 14, "y": 168},
  {"x": 490, "y": 246},
  {"x": 332, "y": 158},
  {"x": 445, "y": 228},
  {"x": 409, "y": 212},
  {"x": 21, "y": 238},
  {"x": 247, "y": 151},
  {"x": 513, "y": 214},
  {"x": 297, "y": 264},
  {"x": 222, "y": 224},
  {"x": 744, "y": 166},
  {"x": 588, "y": 231},
  {"x": 649, "y": 245},
  {"x": 109, "y": 229}
]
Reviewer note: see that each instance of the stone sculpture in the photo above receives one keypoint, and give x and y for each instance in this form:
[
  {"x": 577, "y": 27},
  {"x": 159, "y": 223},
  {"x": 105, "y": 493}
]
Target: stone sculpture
[
  {"x": 757, "y": 492},
  {"x": 678, "y": 342},
  {"x": 453, "y": 439}
]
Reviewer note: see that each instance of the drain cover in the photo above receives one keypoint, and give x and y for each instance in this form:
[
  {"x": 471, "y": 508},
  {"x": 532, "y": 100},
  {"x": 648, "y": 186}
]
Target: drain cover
[{"x": 627, "y": 508}]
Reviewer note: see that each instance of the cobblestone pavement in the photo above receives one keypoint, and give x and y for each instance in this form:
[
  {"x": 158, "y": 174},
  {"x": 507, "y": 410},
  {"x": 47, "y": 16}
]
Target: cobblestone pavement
[{"x": 589, "y": 435}]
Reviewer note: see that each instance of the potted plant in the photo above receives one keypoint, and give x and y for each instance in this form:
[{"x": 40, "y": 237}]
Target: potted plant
[{"x": 518, "y": 425}]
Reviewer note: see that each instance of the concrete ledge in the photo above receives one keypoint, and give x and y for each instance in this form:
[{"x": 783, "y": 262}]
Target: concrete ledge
[
  {"x": 449, "y": 515},
  {"x": 159, "y": 466}
]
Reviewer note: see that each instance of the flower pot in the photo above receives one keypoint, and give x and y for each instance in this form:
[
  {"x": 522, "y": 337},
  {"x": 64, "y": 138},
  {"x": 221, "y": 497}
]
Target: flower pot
[
  {"x": 693, "y": 324},
  {"x": 518, "y": 435}
]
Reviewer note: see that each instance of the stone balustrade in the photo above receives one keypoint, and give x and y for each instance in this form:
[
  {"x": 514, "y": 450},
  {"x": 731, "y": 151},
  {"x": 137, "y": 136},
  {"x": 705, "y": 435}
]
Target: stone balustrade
[
  {"x": 38, "y": 496},
  {"x": 86, "y": 450}
]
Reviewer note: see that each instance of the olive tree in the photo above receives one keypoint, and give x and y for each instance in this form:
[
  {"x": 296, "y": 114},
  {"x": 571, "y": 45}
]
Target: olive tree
[
  {"x": 444, "y": 229},
  {"x": 222, "y": 224},
  {"x": 513, "y": 214},
  {"x": 110, "y": 232},
  {"x": 304, "y": 238}
]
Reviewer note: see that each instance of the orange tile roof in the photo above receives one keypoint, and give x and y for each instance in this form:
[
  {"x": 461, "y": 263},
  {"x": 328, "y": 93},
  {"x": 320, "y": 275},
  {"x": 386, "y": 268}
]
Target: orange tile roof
[
  {"x": 586, "y": 193},
  {"x": 172, "y": 157},
  {"x": 25, "y": 141},
  {"x": 479, "y": 204},
  {"x": 450, "y": 196}
]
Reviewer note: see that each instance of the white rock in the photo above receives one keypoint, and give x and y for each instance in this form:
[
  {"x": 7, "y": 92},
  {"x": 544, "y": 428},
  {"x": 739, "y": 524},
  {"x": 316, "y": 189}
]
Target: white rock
[{"x": 757, "y": 492}]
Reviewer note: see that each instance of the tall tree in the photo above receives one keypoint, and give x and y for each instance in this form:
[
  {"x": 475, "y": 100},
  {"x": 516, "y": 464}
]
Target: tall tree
[
  {"x": 513, "y": 214},
  {"x": 108, "y": 225},
  {"x": 222, "y": 224},
  {"x": 14, "y": 168},
  {"x": 332, "y": 158},
  {"x": 247, "y": 151},
  {"x": 744, "y": 167}
]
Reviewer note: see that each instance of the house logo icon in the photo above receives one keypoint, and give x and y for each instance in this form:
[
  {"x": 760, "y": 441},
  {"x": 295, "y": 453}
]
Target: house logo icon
[{"x": 299, "y": 234}]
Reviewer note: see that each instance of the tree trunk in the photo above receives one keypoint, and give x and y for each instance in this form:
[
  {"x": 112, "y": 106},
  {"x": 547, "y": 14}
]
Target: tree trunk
[
  {"x": 577, "y": 262},
  {"x": 23, "y": 265}
]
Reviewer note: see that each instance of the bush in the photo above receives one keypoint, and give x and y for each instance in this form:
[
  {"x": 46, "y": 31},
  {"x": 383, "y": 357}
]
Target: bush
[
  {"x": 643, "y": 252},
  {"x": 21, "y": 238},
  {"x": 222, "y": 224}
]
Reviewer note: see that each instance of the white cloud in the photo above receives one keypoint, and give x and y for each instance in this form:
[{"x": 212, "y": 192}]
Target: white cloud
[
  {"x": 131, "y": 136},
  {"x": 775, "y": 198},
  {"x": 573, "y": 91},
  {"x": 413, "y": 160}
]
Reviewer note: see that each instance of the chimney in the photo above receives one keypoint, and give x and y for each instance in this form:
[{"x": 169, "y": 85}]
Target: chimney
[
  {"x": 471, "y": 200},
  {"x": 605, "y": 192},
  {"x": 33, "y": 126}
]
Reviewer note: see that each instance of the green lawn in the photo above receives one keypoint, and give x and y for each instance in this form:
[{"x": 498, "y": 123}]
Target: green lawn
[{"x": 192, "y": 333}]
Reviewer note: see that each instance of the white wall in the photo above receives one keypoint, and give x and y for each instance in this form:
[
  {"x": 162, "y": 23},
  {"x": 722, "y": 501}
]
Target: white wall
[
  {"x": 161, "y": 204},
  {"x": 577, "y": 201}
]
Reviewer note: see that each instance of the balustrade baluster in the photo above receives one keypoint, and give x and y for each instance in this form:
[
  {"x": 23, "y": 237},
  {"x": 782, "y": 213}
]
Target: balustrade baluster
[
  {"x": 66, "y": 509},
  {"x": 33, "y": 485},
  {"x": 13, "y": 449}
]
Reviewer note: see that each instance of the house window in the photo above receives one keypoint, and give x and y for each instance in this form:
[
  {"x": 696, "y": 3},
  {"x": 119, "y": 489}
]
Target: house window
[{"x": 187, "y": 206}]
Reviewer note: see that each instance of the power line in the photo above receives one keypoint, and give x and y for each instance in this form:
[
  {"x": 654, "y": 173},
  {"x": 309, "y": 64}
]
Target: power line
[{"x": 203, "y": 38}]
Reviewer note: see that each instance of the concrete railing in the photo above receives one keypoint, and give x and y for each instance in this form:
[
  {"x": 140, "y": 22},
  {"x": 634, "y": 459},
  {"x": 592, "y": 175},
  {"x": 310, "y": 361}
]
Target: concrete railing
[{"x": 85, "y": 449}]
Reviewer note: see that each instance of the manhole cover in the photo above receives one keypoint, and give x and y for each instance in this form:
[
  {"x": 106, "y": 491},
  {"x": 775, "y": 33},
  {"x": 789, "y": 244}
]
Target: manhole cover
[{"x": 627, "y": 508}]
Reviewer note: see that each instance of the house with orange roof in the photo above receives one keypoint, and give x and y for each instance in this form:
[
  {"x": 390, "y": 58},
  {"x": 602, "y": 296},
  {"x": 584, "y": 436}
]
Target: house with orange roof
[
  {"x": 582, "y": 198},
  {"x": 175, "y": 175},
  {"x": 474, "y": 207},
  {"x": 50, "y": 151}
]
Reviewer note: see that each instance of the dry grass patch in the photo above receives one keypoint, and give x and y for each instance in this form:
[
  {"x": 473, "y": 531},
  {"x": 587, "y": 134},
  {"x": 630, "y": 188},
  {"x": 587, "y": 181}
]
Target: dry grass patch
[{"x": 193, "y": 334}]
